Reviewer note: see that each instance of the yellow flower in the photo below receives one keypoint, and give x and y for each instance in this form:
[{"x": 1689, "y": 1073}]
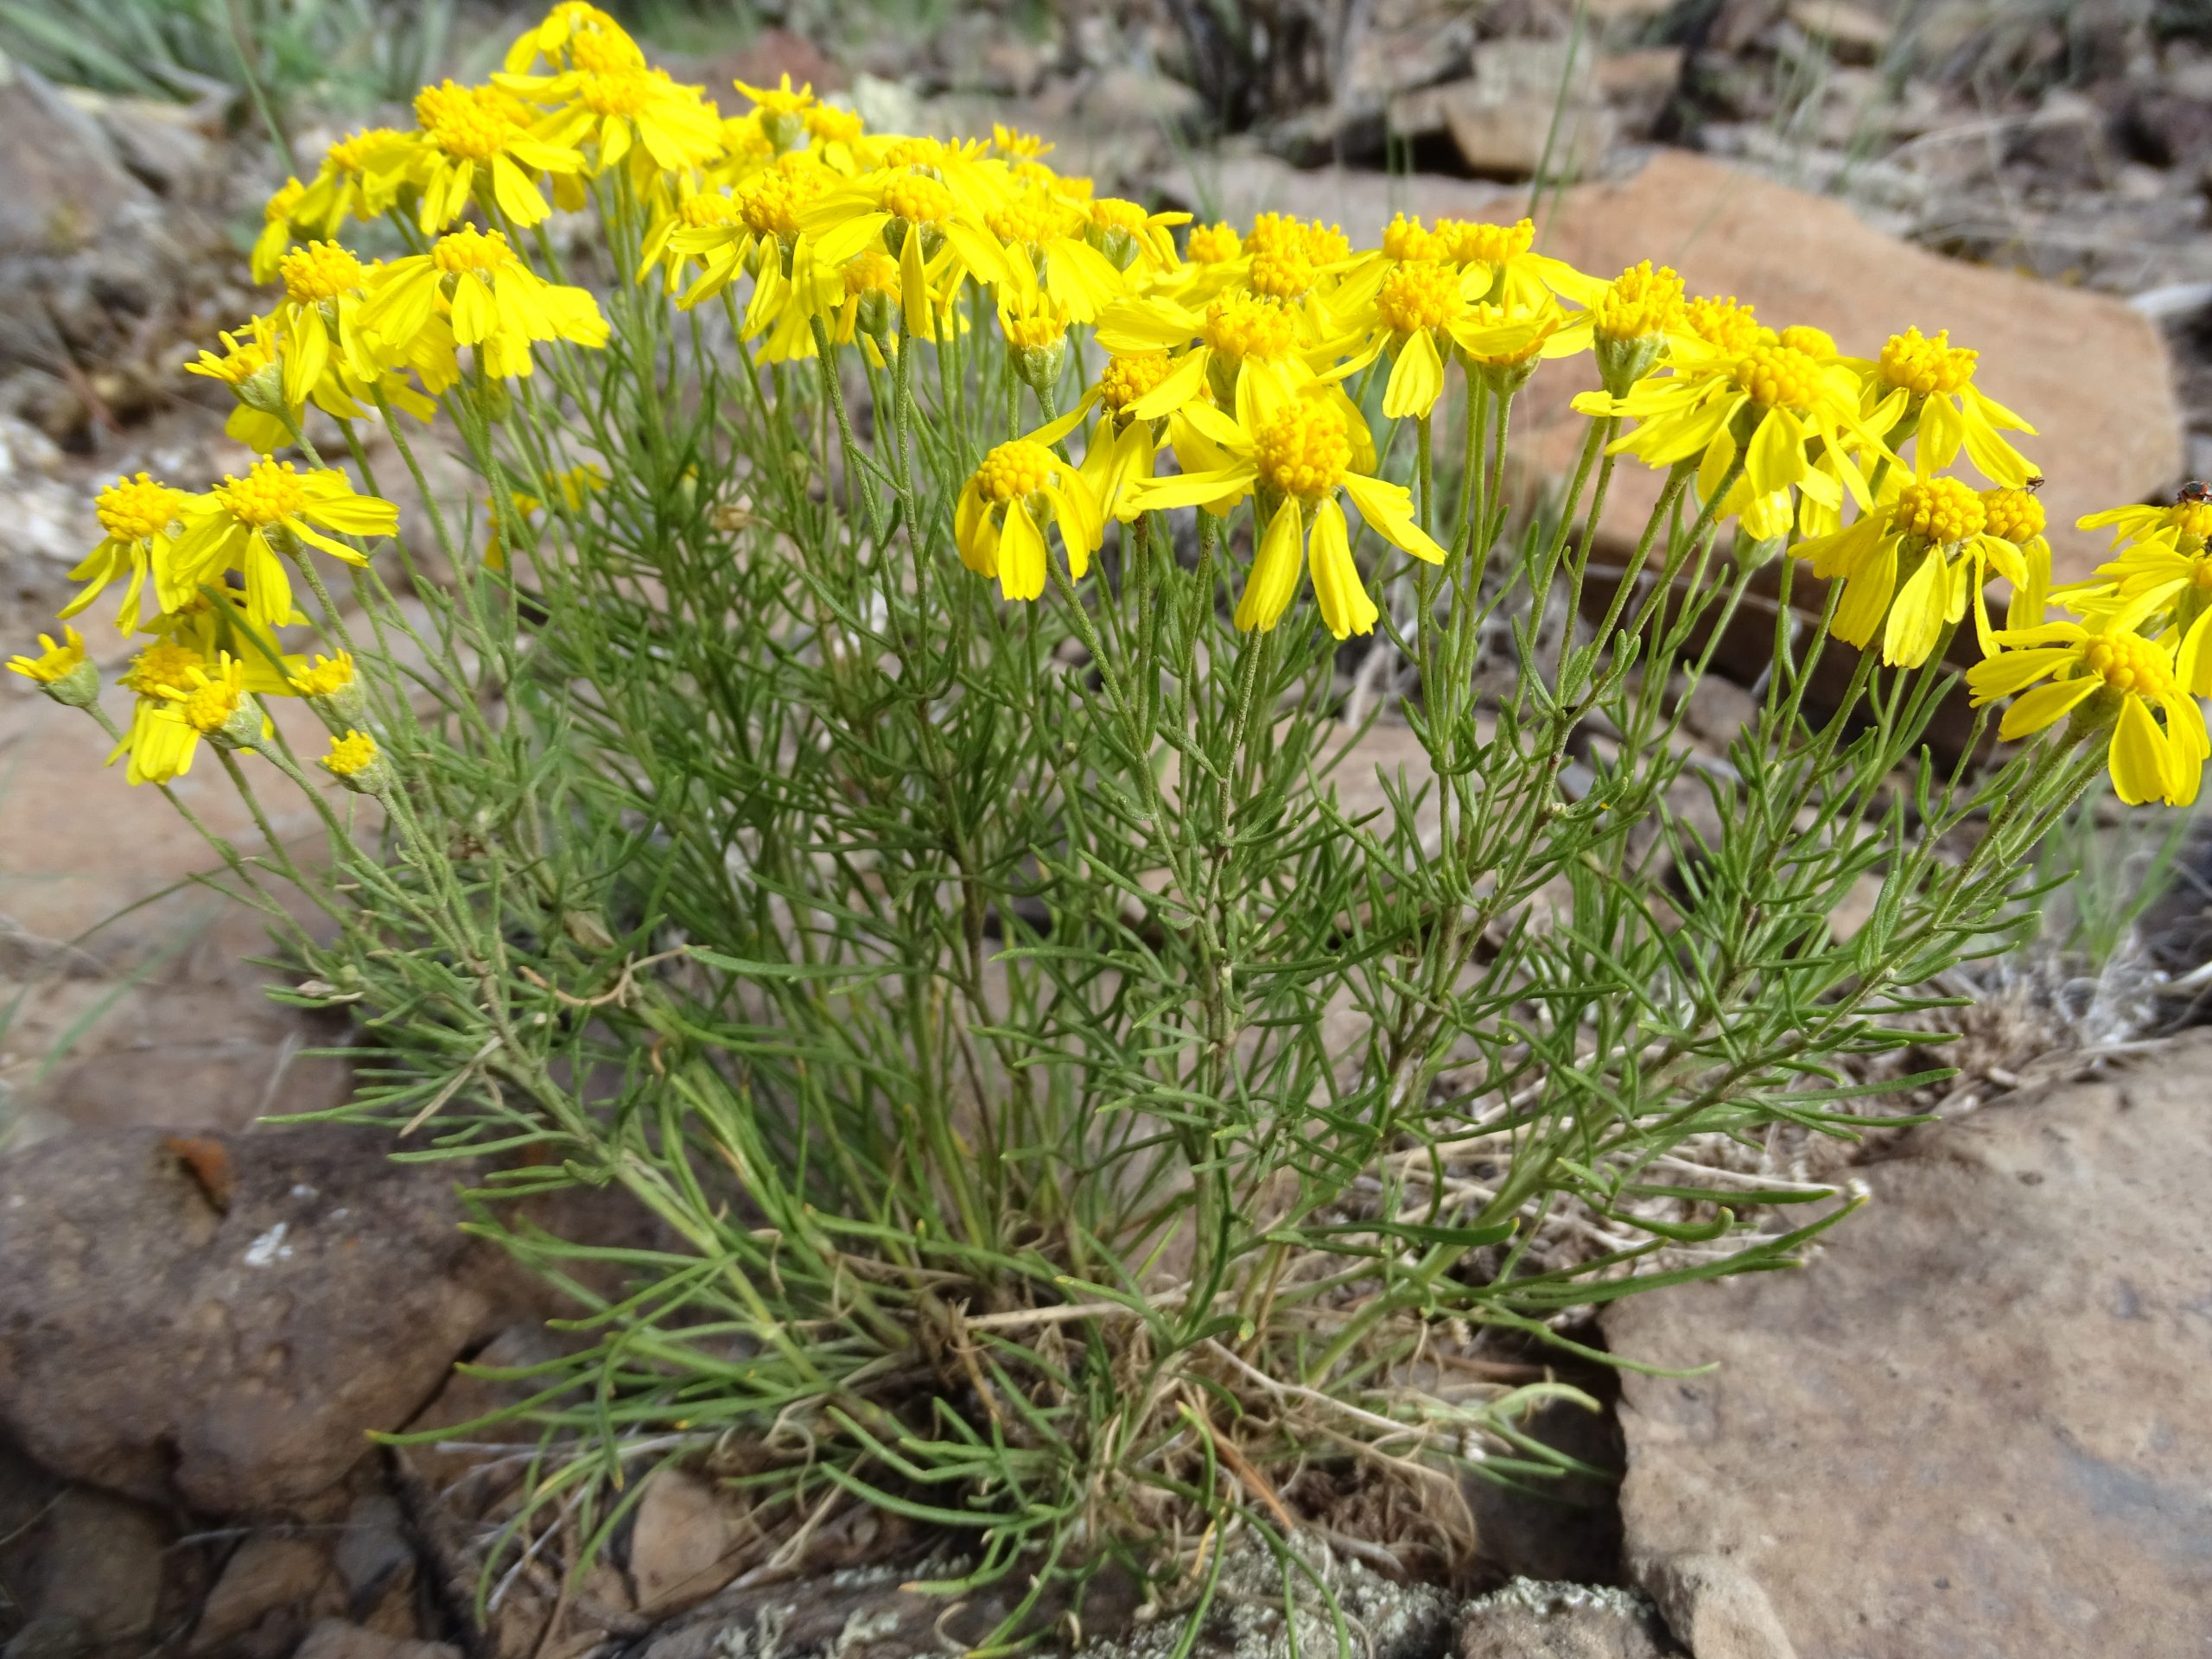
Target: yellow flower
[
  {"x": 1506, "y": 253},
  {"x": 360, "y": 177},
  {"x": 62, "y": 671},
  {"x": 574, "y": 35},
  {"x": 139, "y": 518},
  {"x": 767, "y": 216},
  {"x": 242, "y": 525},
  {"x": 626, "y": 110},
  {"x": 320, "y": 310},
  {"x": 998, "y": 520},
  {"x": 355, "y": 761},
  {"x": 1725, "y": 323},
  {"x": 1128, "y": 236},
  {"x": 1934, "y": 533},
  {"x": 494, "y": 301},
  {"x": 929, "y": 214},
  {"x": 1766, "y": 404},
  {"x": 1051, "y": 244},
  {"x": 174, "y": 716},
  {"x": 483, "y": 134},
  {"x": 276, "y": 229},
  {"x": 2129, "y": 675},
  {"x": 1295, "y": 454},
  {"x": 2185, "y": 525},
  {"x": 691, "y": 209},
  {"x": 780, "y": 111},
  {"x": 53, "y": 662},
  {"x": 1932, "y": 380},
  {"x": 1214, "y": 245}
]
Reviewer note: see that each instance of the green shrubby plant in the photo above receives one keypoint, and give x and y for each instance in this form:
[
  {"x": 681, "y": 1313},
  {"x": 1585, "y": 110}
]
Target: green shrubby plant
[{"x": 862, "y": 779}]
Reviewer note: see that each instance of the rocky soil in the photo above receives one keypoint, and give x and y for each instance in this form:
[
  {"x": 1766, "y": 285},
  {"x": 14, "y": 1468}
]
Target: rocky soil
[{"x": 1971, "y": 1426}]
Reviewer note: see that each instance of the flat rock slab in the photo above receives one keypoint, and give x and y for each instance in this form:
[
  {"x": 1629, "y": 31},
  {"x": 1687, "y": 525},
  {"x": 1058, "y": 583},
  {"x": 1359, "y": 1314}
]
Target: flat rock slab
[
  {"x": 1974, "y": 1427},
  {"x": 219, "y": 1320},
  {"x": 2088, "y": 369}
]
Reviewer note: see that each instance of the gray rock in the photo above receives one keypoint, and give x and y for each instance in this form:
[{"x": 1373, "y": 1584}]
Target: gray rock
[
  {"x": 1531, "y": 1620},
  {"x": 99, "y": 1568},
  {"x": 1717, "y": 1607},
  {"x": 1973, "y": 1427},
  {"x": 373, "y": 1550},
  {"x": 219, "y": 1321},
  {"x": 270, "y": 1573}
]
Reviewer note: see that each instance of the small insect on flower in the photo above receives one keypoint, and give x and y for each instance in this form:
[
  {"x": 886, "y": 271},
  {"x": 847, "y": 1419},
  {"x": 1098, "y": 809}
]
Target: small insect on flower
[{"x": 999, "y": 522}]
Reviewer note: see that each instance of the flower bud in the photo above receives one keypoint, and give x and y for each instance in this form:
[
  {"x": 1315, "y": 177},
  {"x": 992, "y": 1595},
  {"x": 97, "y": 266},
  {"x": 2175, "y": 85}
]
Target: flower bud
[{"x": 784, "y": 130}]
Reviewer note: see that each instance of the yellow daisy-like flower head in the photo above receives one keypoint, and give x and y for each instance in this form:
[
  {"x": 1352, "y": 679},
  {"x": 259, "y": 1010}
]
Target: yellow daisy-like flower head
[
  {"x": 138, "y": 518},
  {"x": 1296, "y": 451},
  {"x": 1725, "y": 323},
  {"x": 2113, "y": 675},
  {"x": 276, "y": 229},
  {"x": 1754, "y": 412},
  {"x": 1303, "y": 450},
  {"x": 1943, "y": 511},
  {"x": 494, "y": 303},
  {"x": 206, "y": 701},
  {"x": 1911, "y": 564},
  {"x": 331, "y": 687},
  {"x": 62, "y": 671},
  {"x": 999, "y": 522},
  {"x": 1928, "y": 382},
  {"x": 1405, "y": 239},
  {"x": 356, "y": 761},
  {"x": 1126, "y": 235},
  {"x": 832, "y": 126},
  {"x": 1128, "y": 378},
  {"x": 319, "y": 273},
  {"x": 782, "y": 110},
  {"x": 1037, "y": 338},
  {"x": 253, "y": 524},
  {"x": 484, "y": 134},
  {"x": 575, "y": 35}
]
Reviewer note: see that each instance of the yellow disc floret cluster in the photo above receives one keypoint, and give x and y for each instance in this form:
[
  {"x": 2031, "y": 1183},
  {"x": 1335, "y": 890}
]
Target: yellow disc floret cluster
[
  {"x": 133, "y": 509},
  {"x": 270, "y": 492},
  {"x": 1239, "y": 326},
  {"x": 1925, "y": 367},
  {"x": 1419, "y": 295},
  {"x": 471, "y": 250},
  {"x": 1642, "y": 302},
  {"x": 1015, "y": 470},
  {"x": 1305, "y": 451},
  {"x": 1126, "y": 379},
  {"x": 2014, "y": 516},
  {"x": 2128, "y": 661},
  {"x": 1944, "y": 510},
  {"x": 350, "y": 755},
  {"x": 1723, "y": 322},
  {"x": 1214, "y": 245},
  {"x": 1779, "y": 376},
  {"x": 318, "y": 271}
]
